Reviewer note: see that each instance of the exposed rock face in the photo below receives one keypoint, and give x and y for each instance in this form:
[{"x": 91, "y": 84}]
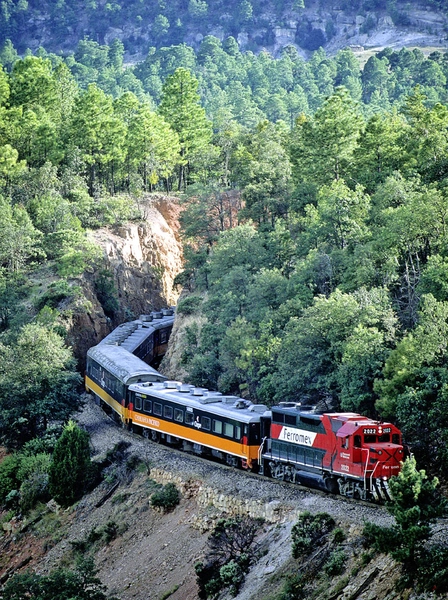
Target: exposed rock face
[
  {"x": 144, "y": 258},
  {"x": 331, "y": 24}
]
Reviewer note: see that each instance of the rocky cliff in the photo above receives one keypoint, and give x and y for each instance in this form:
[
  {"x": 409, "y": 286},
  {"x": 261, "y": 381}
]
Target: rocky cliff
[{"x": 143, "y": 258}]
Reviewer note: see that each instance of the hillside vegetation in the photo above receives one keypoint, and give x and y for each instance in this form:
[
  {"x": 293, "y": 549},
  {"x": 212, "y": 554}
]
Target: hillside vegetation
[{"x": 314, "y": 220}]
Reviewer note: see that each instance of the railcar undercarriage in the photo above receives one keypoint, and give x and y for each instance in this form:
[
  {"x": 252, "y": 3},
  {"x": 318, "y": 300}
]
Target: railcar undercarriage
[{"x": 344, "y": 486}]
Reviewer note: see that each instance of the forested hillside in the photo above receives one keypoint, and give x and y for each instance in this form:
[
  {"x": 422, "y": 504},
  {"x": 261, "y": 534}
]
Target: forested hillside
[
  {"x": 324, "y": 276},
  {"x": 314, "y": 198}
]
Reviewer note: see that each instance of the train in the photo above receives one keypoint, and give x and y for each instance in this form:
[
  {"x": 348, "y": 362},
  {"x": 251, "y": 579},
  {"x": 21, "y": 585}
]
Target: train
[
  {"x": 340, "y": 452},
  {"x": 126, "y": 356}
]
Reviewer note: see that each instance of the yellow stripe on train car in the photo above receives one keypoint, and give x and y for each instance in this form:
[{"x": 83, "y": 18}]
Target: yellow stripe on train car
[{"x": 107, "y": 398}]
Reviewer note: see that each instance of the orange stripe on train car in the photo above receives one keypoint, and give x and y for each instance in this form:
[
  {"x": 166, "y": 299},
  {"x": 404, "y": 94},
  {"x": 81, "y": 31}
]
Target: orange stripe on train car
[{"x": 196, "y": 436}]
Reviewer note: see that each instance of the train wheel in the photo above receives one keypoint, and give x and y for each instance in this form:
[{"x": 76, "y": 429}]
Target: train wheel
[
  {"x": 155, "y": 436},
  {"x": 277, "y": 471}
]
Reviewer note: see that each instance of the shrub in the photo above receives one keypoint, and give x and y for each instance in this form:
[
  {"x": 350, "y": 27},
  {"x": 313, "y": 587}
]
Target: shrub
[
  {"x": 167, "y": 498},
  {"x": 232, "y": 576},
  {"x": 232, "y": 549},
  {"x": 338, "y": 535},
  {"x": 432, "y": 571},
  {"x": 33, "y": 489},
  {"x": 8, "y": 475},
  {"x": 56, "y": 292},
  {"x": 24, "y": 479},
  {"x": 293, "y": 588},
  {"x": 308, "y": 531},
  {"x": 335, "y": 564},
  {"x": 189, "y": 306}
]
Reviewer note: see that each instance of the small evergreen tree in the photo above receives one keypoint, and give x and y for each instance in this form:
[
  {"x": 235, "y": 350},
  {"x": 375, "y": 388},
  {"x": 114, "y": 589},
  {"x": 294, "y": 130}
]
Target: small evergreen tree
[
  {"x": 415, "y": 506},
  {"x": 71, "y": 466}
]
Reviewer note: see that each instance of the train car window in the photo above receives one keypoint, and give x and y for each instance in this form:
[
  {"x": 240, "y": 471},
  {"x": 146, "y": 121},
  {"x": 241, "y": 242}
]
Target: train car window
[
  {"x": 178, "y": 415},
  {"x": 138, "y": 403},
  {"x": 217, "y": 426},
  {"x": 395, "y": 438},
  {"x": 157, "y": 409},
  {"x": 345, "y": 442},
  {"x": 290, "y": 419},
  {"x": 147, "y": 406},
  {"x": 237, "y": 432},
  {"x": 370, "y": 439},
  {"x": 206, "y": 423},
  {"x": 278, "y": 417},
  {"x": 168, "y": 412},
  {"x": 189, "y": 418},
  {"x": 357, "y": 441},
  {"x": 228, "y": 429},
  {"x": 163, "y": 337},
  {"x": 384, "y": 438}
]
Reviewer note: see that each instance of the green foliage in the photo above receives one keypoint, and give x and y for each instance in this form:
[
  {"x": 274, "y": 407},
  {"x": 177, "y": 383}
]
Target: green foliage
[
  {"x": 24, "y": 479},
  {"x": 8, "y": 475},
  {"x": 415, "y": 505},
  {"x": 55, "y": 293},
  {"x": 180, "y": 107},
  {"x": 338, "y": 535},
  {"x": 335, "y": 564},
  {"x": 97, "y": 537},
  {"x": 189, "y": 305},
  {"x": 37, "y": 383},
  {"x": 432, "y": 570},
  {"x": 71, "y": 466},
  {"x": 81, "y": 584},
  {"x": 309, "y": 531},
  {"x": 167, "y": 498},
  {"x": 232, "y": 549},
  {"x": 293, "y": 589}
]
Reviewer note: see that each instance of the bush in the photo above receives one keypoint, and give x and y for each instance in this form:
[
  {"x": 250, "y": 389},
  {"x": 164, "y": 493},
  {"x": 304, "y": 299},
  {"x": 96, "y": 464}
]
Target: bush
[
  {"x": 293, "y": 588},
  {"x": 309, "y": 531},
  {"x": 167, "y": 498},
  {"x": 24, "y": 479},
  {"x": 98, "y": 537},
  {"x": 432, "y": 571},
  {"x": 338, "y": 535},
  {"x": 56, "y": 292},
  {"x": 189, "y": 306},
  {"x": 232, "y": 549},
  {"x": 8, "y": 475},
  {"x": 232, "y": 576},
  {"x": 335, "y": 564}
]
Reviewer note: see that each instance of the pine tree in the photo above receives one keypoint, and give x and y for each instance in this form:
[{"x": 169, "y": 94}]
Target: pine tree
[
  {"x": 181, "y": 109},
  {"x": 71, "y": 465}
]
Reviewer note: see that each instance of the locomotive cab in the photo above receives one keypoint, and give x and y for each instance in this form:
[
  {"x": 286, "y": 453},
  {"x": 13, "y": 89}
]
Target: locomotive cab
[{"x": 366, "y": 449}]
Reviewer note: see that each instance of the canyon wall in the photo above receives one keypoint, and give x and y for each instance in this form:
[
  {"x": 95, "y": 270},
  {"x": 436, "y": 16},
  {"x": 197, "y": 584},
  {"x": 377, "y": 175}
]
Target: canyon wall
[{"x": 143, "y": 259}]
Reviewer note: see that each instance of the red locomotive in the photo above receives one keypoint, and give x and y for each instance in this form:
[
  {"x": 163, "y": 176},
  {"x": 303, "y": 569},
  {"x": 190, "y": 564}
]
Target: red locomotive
[{"x": 343, "y": 453}]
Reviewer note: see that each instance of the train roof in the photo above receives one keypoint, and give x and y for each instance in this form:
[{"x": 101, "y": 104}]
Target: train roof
[
  {"x": 122, "y": 364},
  {"x": 133, "y": 334},
  {"x": 208, "y": 401}
]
